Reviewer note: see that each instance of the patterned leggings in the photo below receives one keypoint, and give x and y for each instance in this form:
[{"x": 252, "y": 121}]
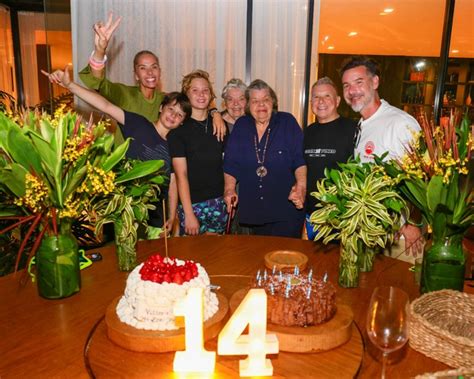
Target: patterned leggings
[{"x": 211, "y": 214}]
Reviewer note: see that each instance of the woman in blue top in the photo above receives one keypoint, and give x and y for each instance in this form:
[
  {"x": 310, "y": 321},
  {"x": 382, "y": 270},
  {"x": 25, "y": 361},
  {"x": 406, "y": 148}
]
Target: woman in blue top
[{"x": 264, "y": 154}]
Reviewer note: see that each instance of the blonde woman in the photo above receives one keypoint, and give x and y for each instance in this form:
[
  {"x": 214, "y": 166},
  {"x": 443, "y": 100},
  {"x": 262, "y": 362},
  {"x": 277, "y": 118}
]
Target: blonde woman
[{"x": 197, "y": 162}]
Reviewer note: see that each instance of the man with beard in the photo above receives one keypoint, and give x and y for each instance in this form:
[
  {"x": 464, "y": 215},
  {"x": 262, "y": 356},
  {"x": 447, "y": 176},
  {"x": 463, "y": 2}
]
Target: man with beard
[{"x": 382, "y": 127}]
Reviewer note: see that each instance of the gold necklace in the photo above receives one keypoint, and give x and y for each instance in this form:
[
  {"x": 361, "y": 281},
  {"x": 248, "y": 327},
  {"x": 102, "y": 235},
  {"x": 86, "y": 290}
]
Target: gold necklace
[{"x": 261, "y": 169}]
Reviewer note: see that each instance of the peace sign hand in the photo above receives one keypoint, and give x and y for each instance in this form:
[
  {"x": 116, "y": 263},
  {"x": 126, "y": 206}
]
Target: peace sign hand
[{"x": 103, "y": 33}]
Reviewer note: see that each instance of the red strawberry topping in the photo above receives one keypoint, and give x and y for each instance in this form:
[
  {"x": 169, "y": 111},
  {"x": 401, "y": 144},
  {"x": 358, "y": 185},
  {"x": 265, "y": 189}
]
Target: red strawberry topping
[{"x": 159, "y": 269}]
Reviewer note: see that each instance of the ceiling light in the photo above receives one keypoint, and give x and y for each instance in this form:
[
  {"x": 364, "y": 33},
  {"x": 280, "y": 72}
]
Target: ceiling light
[
  {"x": 455, "y": 51},
  {"x": 419, "y": 65},
  {"x": 388, "y": 10},
  {"x": 326, "y": 38},
  {"x": 352, "y": 34},
  {"x": 330, "y": 47},
  {"x": 382, "y": 14}
]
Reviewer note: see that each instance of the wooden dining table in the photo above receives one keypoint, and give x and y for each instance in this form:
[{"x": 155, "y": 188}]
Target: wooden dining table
[{"x": 67, "y": 338}]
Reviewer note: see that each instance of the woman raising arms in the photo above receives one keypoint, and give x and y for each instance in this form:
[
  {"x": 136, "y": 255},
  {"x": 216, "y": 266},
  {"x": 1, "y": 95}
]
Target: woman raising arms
[
  {"x": 145, "y": 97},
  {"x": 149, "y": 140}
]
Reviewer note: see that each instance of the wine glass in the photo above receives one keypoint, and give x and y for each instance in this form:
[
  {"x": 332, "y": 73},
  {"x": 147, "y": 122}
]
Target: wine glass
[{"x": 387, "y": 323}]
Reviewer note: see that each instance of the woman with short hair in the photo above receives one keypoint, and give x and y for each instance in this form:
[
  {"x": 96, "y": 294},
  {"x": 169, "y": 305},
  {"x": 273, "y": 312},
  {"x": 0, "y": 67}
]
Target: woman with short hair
[
  {"x": 233, "y": 95},
  {"x": 264, "y": 154}
]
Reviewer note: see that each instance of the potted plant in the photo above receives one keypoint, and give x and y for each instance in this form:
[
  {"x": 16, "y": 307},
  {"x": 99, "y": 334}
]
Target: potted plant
[
  {"x": 433, "y": 176},
  {"x": 359, "y": 206},
  {"x": 52, "y": 170},
  {"x": 136, "y": 191}
]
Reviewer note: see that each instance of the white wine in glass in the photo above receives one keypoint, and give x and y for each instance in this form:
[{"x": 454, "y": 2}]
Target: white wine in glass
[{"x": 387, "y": 323}]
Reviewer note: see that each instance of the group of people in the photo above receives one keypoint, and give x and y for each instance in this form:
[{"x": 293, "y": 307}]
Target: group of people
[{"x": 251, "y": 157}]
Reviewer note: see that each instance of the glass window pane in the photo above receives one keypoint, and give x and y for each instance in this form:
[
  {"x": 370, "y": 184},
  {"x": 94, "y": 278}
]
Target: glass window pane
[{"x": 406, "y": 45}]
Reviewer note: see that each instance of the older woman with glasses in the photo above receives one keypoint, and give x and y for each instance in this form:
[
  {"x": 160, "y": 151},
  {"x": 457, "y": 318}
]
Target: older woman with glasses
[{"x": 264, "y": 154}]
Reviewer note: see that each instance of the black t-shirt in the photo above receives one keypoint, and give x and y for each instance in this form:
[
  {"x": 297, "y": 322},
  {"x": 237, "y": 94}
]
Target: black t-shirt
[
  {"x": 147, "y": 144},
  {"x": 203, "y": 153},
  {"x": 324, "y": 146}
]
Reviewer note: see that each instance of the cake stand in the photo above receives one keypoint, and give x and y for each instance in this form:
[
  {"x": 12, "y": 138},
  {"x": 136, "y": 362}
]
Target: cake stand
[
  {"x": 155, "y": 341},
  {"x": 310, "y": 339}
]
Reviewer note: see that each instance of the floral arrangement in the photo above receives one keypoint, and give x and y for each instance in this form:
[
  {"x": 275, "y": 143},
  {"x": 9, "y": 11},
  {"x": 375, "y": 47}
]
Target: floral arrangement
[
  {"x": 55, "y": 169},
  {"x": 136, "y": 192},
  {"x": 359, "y": 206},
  {"x": 433, "y": 175}
]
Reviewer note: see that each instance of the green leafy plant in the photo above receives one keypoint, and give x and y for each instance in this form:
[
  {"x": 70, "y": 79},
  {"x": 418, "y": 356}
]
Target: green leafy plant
[
  {"x": 54, "y": 169},
  {"x": 433, "y": 176},
  {"x": 136, "y": 191},
  {"x": 359, "y": 206}
]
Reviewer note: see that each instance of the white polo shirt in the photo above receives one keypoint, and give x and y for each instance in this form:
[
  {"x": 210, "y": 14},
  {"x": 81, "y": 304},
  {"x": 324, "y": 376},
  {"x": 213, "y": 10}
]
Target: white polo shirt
[{"x": 388, "y": 129}]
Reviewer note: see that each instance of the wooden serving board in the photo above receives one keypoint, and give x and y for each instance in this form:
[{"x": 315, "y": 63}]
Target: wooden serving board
[
  {"x": 310, "y": 339},
  {"x": 155, "y": 341},
  {"x": 285, "y": 260}
]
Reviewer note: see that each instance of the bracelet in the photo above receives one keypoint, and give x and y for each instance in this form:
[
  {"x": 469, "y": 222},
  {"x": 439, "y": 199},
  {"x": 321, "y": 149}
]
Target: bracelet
[
  {"x": 95, "y": 65},
  {"x": 102, "y": 62}
]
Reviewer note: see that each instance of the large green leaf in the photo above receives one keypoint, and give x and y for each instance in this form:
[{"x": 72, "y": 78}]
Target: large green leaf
[
  {"x": 74, "y": 181},
  {"x": 46, "y": 153},
  {"x": 13, "y": 178},
  {"x": 439, "y": 223},
  {"x": 22, "y": 150},
  {"x": 452, "y": 193},
  {"x": 418, "y": 192},
  {"x": 47, "y": 131},
  {"x": 116, "y": 156},
  {"x": 435, "y": 193},
  {"x": 140, "y": 170}
]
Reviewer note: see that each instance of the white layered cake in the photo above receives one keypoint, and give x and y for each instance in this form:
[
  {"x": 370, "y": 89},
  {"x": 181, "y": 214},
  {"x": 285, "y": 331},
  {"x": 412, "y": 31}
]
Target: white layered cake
[{"x": 154, "y": 287}]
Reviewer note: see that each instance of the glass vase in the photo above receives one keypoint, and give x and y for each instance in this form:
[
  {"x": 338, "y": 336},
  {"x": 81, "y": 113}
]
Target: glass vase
[
  {"x": 57, "y": 264},
  {"x": 443, "y": 264},
  {"x": 126, "y": 246},
  {"x": 366, "y": 257},
  {"x": 348, "y": 268}
]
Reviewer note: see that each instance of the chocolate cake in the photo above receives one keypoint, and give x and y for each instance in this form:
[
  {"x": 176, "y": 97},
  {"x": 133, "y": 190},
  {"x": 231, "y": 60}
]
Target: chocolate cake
[{"x": 297, "y": 299}]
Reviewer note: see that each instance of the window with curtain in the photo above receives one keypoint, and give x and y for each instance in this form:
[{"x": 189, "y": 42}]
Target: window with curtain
[
  {"x": 185, "y": 35},
  {"x": 210, "y": 35},
  {"x": 279, "y": 50}
]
